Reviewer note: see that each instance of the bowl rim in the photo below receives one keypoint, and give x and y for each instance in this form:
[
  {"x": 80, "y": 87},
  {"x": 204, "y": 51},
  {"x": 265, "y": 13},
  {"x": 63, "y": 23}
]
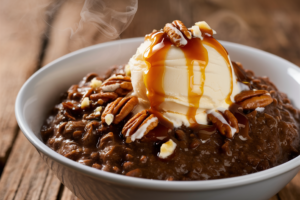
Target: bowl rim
[{"x": 142, "y": 183}]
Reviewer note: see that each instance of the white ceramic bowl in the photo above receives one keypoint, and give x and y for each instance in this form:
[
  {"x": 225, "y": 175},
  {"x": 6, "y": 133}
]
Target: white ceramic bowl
[{"x": 41, "y": 92}]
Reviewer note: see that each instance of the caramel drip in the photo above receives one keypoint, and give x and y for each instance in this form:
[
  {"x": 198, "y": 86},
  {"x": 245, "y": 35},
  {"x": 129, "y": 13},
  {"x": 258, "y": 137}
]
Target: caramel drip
[
  {"x": 155, "y": 58},
  {"x": 195, "y": 51},
  {"x": 212, "y": 42}
]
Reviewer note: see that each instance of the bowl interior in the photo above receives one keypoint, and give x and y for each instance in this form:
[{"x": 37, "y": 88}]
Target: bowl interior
[{"x": 43, "y": 89}]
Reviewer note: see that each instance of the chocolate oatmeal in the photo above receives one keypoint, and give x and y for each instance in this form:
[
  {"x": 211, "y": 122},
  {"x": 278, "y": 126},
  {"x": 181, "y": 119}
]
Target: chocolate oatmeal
[{"x": 77, "y": 129}]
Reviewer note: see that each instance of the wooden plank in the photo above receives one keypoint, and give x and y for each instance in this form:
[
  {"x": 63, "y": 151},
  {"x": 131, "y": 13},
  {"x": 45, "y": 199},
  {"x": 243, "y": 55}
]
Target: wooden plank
[
  {"x": 68, "y": 195},
  {"x": 22, "y": 28},
  {"x": 51, "y": 189},
  {"x": 24, "y": 24},
  {"x": 26, "y": 176},
  {"x": 291, "y": 190}
]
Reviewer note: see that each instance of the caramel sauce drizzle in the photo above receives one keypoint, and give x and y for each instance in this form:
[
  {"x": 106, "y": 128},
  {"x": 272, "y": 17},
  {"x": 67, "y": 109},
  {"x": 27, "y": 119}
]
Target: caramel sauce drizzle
[
  {"x": 155, "y": 57},
  {"x": 194, "y": 51},
  {"x": 212, "y": 42}
]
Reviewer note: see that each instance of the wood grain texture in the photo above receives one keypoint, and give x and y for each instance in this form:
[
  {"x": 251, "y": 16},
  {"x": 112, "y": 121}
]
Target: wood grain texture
[
  {"x": 22, "y": 28},
  {"x": 292, "y": 190},
  {"x": 68, "y": 195},
  {"x": 27, "y": 177}
]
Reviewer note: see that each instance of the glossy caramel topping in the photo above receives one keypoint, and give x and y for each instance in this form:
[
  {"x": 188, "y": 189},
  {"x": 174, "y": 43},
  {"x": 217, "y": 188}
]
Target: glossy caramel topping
[
  {"x": 212, "y": 42},
  {"x": 194, "y": 51},
  {"x": 155, "y": 57}
]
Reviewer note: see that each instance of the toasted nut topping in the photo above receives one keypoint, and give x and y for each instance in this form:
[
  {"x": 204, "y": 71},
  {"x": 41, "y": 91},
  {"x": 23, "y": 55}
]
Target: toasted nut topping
[
  {"x": 118, "y": 84},
  {"x": 120, "y": 108},
  {"x": 104, "y": 96},
  {"x": 179, "y": 25},
  {"x": 196, "y": 32},
  {"x": 95, "y": 114},
  {"x": 255, "y": 102},
  {"x": 85, "y": 102},
  {"x": 233, "y": 122},
  {"x": 109, "y": 118},
  {"x": 204, "y": 26},
  {"x": 139, "y": 125},
  {"x": 175, "y": 35},
  {"x": 110, "y": 88},
  {"x": 227, "y": 124},
  {"x": 95, "y": 83},
  {"x": 98, "y": 109},
  {"x": 127, "y": 70},
  {"x": 167, "y": 149},
  {"x": 248, "y": 94}
]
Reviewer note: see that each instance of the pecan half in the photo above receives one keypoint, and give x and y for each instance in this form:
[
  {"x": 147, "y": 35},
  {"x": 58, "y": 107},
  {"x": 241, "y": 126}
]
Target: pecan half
[
  {"x": 255, "y": 102},
  {"x": 121, "y": 85},
  {"x": 107, "y": 96},
  {"x": 179, "y": 25},
  {"x": 225, "y": 122},
  {"x": 231, "y": 119},
  {"x": 175, "y": 35},
  {"x": 139, "y": 125},
  {"x": 120, "y": 108},
  {"x": 248, "y": 94}
]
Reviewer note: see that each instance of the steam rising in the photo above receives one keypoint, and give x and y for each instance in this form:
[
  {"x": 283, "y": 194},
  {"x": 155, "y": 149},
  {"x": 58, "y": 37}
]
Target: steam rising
[{"x": 110, "y": 17}]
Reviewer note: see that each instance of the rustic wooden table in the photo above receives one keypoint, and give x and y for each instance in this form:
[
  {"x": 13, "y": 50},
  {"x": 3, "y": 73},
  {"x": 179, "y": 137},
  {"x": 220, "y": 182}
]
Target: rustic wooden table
[{"x": 35, "y": 32}]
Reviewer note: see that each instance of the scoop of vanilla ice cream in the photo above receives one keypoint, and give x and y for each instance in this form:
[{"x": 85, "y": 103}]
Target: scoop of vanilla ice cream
[{"x": 217, "y": 84}]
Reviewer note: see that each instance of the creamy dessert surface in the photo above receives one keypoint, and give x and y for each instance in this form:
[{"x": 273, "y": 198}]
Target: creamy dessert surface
[
  {"x": 183, "y": 81},
  {"x": 179, "y": 110}
]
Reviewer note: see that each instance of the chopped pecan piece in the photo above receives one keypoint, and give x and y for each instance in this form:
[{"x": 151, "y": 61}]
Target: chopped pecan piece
[
  {"x": 225, "y": 122},
  {"x": 255, "y": 102},
  {"x": 233, "y": 122},
  {"x": 175, "y": 35},
  {"x": 139, "y": 125},
  {"x": 107, "y": 96},
  {"x": 120, "y": 108},
  {"x": 248, "y": 94},
  {"x": 118, "y": 84},
  {"x": 179, "y": 25},
  {"x": 253, "y": 99}
]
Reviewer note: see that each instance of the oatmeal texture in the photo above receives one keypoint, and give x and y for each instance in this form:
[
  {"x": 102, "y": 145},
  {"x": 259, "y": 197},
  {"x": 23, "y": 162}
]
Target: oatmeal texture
[{"x": 268, "y": 136}]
